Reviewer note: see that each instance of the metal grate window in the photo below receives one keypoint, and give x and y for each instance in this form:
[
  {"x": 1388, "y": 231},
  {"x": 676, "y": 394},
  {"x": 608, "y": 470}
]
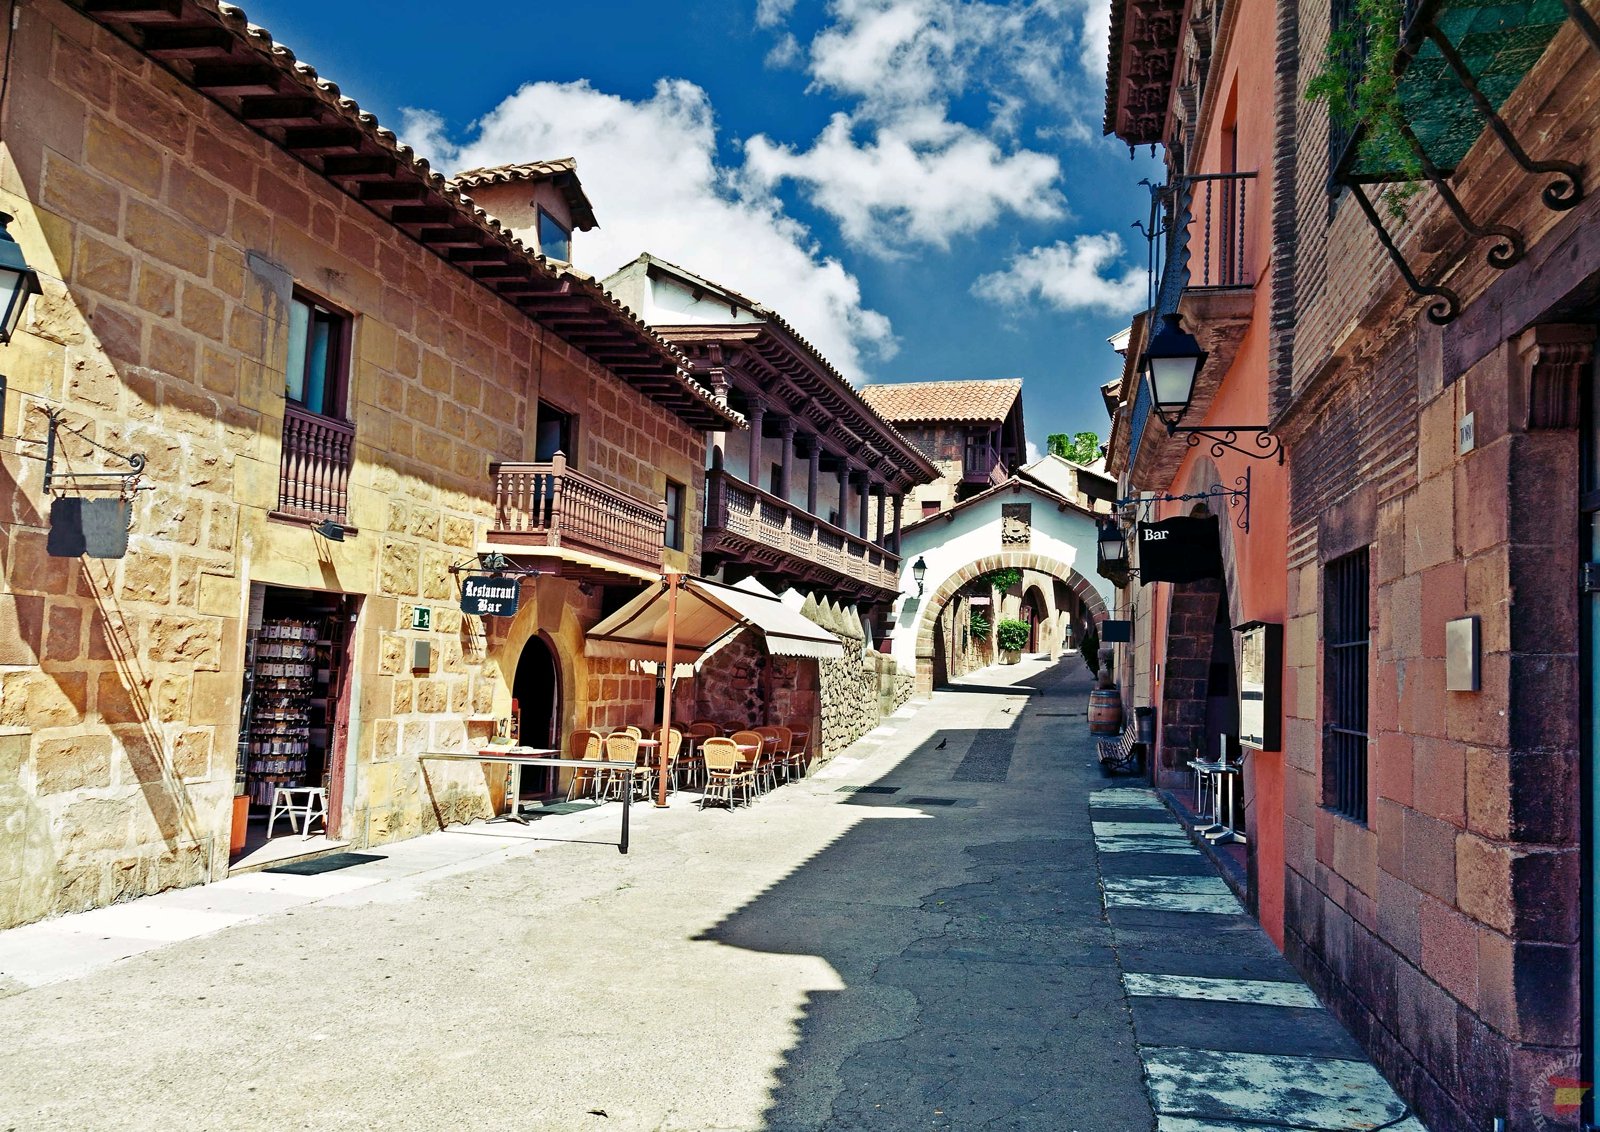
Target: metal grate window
[{"x": 1346, "y": 635}]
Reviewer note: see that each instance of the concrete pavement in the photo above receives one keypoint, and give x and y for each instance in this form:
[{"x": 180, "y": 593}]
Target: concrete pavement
[{"x": 914, "y": 937}]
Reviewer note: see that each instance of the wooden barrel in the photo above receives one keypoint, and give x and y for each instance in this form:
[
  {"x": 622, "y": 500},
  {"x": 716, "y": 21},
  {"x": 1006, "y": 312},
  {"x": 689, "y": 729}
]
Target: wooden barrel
[{"x": 1105, "y": 712}]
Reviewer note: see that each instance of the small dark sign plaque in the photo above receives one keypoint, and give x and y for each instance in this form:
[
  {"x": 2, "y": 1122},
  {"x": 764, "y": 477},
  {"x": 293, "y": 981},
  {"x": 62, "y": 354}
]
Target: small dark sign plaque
[
  {"x": 93, "y": 528},
  {"x": 490, "y": 595}
]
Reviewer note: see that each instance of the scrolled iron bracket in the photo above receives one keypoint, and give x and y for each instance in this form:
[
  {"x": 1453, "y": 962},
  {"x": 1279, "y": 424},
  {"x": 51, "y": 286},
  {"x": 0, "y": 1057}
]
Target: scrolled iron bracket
[
  {"x": 1238, "y": 497},
  {"x": 1445, "y": 304}
]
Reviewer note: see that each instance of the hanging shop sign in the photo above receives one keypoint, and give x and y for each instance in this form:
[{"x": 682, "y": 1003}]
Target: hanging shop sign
[
  {"x": 93, "y": 528},
  {"x": 1116, "y": 631},
  {"x": 490, "y": 595},
  {"x": 1184, "y": 549}
]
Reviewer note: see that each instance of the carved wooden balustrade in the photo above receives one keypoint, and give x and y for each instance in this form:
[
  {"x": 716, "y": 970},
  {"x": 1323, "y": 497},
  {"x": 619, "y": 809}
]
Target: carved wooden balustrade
[{"x": 549, "y": 504}]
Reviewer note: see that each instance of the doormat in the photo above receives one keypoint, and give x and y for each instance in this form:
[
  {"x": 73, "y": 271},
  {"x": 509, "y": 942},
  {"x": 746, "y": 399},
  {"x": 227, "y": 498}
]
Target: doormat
[
  {"x": 868, "y": 790},
  {"x": 556, "y": 808},
  {"x": 332, "y": 863}
]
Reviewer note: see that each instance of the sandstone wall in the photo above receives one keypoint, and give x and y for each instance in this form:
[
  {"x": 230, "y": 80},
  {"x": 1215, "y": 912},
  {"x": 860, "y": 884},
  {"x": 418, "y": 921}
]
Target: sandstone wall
[{"x": 168, "y": 238}]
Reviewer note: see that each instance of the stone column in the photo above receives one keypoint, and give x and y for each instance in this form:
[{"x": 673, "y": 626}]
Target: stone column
[
  {"x": 882, "y": 493},
  {"x": 866, "y": 493},
  {"x": 788, "y": 459},
  {"x": 758, "y": 411},
  {"x": 844, "y": 492},
  {"x": 899, "y": 507},
  {"x": 813, "y": 468}
]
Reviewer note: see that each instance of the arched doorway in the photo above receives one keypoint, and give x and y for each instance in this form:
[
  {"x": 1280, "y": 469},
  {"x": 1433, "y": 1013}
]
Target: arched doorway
[
  {"x": 1036, "y": 612},
  {"x": 536, "y": 703},
  {"x": 932, "y": 608}
]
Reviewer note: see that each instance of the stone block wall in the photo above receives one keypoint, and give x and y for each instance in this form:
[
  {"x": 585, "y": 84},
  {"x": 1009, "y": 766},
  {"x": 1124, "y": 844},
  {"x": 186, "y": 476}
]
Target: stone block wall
[
  {"x": 168, "y": 238},
  {"x": 1444, "y": 930}
]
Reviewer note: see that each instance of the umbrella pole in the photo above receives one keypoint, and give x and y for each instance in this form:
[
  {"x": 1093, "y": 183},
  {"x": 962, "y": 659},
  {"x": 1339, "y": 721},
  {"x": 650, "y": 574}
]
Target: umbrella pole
[{"x": 664, "y": 750}]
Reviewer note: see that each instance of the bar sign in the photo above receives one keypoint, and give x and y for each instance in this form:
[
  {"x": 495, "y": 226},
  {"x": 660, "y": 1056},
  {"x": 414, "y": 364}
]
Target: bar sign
[{"x": 490, "y": 595}]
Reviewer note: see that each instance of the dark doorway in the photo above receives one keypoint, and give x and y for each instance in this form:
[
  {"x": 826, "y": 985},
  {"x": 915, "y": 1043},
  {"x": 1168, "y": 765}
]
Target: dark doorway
[{"x": 536, "y": 698}]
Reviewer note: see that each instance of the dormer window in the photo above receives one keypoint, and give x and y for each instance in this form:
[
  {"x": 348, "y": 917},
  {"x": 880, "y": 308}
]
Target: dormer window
[{"x": 555, "y": 239}]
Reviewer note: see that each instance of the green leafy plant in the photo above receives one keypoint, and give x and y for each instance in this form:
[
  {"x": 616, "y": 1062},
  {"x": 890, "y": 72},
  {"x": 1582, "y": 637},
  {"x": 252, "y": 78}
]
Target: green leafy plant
[
  {"x": 1004, "y": 578},
  {"x": 1012, "y": 635},
  {"x": 1090, "y": 647},
  {"x": 1358, "y": 84},
  {"x": 979, "y": 624},
  {"x": 1079, "y": 447}
]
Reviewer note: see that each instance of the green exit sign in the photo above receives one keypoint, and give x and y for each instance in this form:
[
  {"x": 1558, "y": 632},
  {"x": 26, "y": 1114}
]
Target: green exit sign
[{"x": 421, "y": 617}]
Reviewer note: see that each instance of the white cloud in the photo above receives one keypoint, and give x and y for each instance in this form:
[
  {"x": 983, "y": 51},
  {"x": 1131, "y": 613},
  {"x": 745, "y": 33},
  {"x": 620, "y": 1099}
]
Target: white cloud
[
  {"x": 784, "y": 53},
  {"x": 650, "y": 168},
  {"x": 902, "y": 166},
  {"x": 771, "y": 13},
  {"x": 1069, "y": 275},
  {"x": 424, "y": 131},
  {"x": 923, "y": 181},
  {"x": 1033, "y": 453},
  {"x": 1094, "y": 49}
]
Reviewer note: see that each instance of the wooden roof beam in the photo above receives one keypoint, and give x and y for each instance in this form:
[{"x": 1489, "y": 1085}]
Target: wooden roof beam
[
  {"x": 358, "y": 167},
  {"x": 305, "y": 141},
  {"x": 169, "y": 43},
  {"x": 218, "y": 79},
  {"x": 273, "y": 110},
  {"x": 134, "y": 11}
]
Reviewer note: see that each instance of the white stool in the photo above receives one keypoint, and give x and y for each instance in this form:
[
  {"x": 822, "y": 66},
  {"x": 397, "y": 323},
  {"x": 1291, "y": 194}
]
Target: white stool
[{"x": 299, "y": 802}]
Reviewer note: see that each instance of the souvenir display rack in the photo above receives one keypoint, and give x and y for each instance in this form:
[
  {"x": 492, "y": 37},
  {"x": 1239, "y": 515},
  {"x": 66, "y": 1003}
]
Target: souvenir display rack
[{"x": 282, "y": 704}]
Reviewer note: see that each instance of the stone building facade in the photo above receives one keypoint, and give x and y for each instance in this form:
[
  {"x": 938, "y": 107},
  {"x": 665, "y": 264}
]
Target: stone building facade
[
  {"x": 1435, "y": 396},
  {"x": 178, "y": 227}
]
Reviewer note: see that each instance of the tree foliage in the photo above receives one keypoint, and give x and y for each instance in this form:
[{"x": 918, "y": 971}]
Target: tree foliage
[{"x": 1079, "y": 447}]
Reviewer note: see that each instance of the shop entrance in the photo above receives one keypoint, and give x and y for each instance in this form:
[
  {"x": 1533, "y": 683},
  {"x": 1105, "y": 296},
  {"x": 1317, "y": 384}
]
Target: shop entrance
[
  {"x": 295, "y": 707},
  {"x": 536, "y": 702}
]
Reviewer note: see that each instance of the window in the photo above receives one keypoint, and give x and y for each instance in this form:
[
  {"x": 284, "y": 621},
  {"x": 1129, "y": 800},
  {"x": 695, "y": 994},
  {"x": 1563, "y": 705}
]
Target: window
[
  {"x": 555, "y": 240},
  {"x": 553, "y": 432},
  {"x": 318, "y": 443},
  {"x": 675, "y": 493},
  {"x": 930, "y": 508},
  {"x": 1346, "y": 632},
  {"x": 318, "y": 359}
]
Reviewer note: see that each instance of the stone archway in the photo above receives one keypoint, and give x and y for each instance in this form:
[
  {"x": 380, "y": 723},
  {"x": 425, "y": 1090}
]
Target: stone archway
[{"x": 928, "y": 617}]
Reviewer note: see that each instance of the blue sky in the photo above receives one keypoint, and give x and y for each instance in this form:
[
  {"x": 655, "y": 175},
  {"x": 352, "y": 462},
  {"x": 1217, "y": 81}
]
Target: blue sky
[{"x": 919, "y": 186}]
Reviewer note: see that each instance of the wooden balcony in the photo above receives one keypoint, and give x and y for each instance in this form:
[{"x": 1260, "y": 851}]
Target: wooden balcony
[
  {"x": 314, "y": 469},
  {"x": 981, "y": 463},
  {"x": 749, "y": 527},
  {"x": 552, "y": 505}
]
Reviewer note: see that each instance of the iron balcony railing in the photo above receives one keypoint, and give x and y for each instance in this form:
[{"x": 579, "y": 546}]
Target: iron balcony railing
[
  {"x": 754, "y": 516},
  {"x": 549, "y": 504},
  {"x": 314, "y": 470},
  {"x": 1218, "y": 207}
]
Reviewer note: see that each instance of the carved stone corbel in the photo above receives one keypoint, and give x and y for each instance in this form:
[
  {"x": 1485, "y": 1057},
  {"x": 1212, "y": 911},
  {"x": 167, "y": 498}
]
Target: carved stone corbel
[{"x": 1552, "y": 362}]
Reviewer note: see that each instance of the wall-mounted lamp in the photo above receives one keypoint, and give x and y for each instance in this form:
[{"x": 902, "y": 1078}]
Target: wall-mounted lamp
[
  {"x": 1171, "y": 361},
  {"x": 18, "y": 281},
  {"x": 919, "y": 571},
  {"x": 1112, "y": 545},
  {"x": 329, "y": 530}
]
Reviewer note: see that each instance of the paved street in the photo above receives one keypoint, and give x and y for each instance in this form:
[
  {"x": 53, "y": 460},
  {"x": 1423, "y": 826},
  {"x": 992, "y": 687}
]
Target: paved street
[{"x": 913, "y": 938}]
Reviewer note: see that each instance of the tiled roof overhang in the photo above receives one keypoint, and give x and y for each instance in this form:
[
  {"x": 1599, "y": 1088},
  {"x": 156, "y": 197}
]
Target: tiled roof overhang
[
  {"x": 561, "y": 172},
  {"x": 978, "y": 401},
  {"x": 831, "y": 401},
  {"x": 1139, "y": 73},
  {"x": 213, "y": 48}
]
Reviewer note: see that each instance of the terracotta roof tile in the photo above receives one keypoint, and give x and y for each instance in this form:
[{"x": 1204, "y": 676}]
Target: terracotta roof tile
[
  {"x": 561, "y": 172},
  {"x": 975, "y": 401}
]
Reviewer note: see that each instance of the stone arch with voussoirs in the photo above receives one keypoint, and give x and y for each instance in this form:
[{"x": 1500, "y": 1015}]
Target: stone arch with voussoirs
[{"x": 928, "y": 617}]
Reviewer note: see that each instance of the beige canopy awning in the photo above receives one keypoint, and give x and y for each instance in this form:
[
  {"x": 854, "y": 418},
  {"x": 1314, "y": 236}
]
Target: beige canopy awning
[{"x": 709, "y": 614}]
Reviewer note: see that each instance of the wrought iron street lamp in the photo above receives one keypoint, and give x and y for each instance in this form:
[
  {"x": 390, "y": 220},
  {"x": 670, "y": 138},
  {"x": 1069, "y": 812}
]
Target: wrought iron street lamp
[
  {"x": 919, "y": 571},
  {"x": 18, "y": 281},
  {"x": 1112, "y": 546},
  {"x": 1171, "y": 362}
]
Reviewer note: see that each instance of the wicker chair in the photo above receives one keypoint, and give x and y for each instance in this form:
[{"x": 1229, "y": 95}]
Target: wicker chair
[
  {"x": 726, "y": 771},
  {"x": 621, "y": 747},
  {"x": 800, "y": 748},
  {"x": 583, "y": 745},
  {"x": 758, "y": 761}
]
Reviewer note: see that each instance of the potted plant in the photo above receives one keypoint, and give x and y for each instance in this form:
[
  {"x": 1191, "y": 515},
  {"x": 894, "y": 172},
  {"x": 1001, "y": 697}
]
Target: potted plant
[{"x": 1012, "y": 637}]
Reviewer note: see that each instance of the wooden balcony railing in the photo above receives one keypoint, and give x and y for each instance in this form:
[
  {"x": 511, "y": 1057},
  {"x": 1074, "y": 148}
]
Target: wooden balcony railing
[
  {"x": 552, "y": 505},
  {"x": 979, "y": 462},
  {"x": 314, "y": 471},
  {"x": 756, "y": 519}
]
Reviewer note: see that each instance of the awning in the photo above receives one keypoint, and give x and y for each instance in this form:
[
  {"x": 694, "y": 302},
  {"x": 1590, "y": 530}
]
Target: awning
[{"x": 709, "y": 614}]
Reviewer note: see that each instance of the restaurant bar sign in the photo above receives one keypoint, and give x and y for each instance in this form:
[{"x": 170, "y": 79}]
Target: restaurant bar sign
[
  {"x": 1184, "y": 549},
  {"x": 490, "y": 595}
]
